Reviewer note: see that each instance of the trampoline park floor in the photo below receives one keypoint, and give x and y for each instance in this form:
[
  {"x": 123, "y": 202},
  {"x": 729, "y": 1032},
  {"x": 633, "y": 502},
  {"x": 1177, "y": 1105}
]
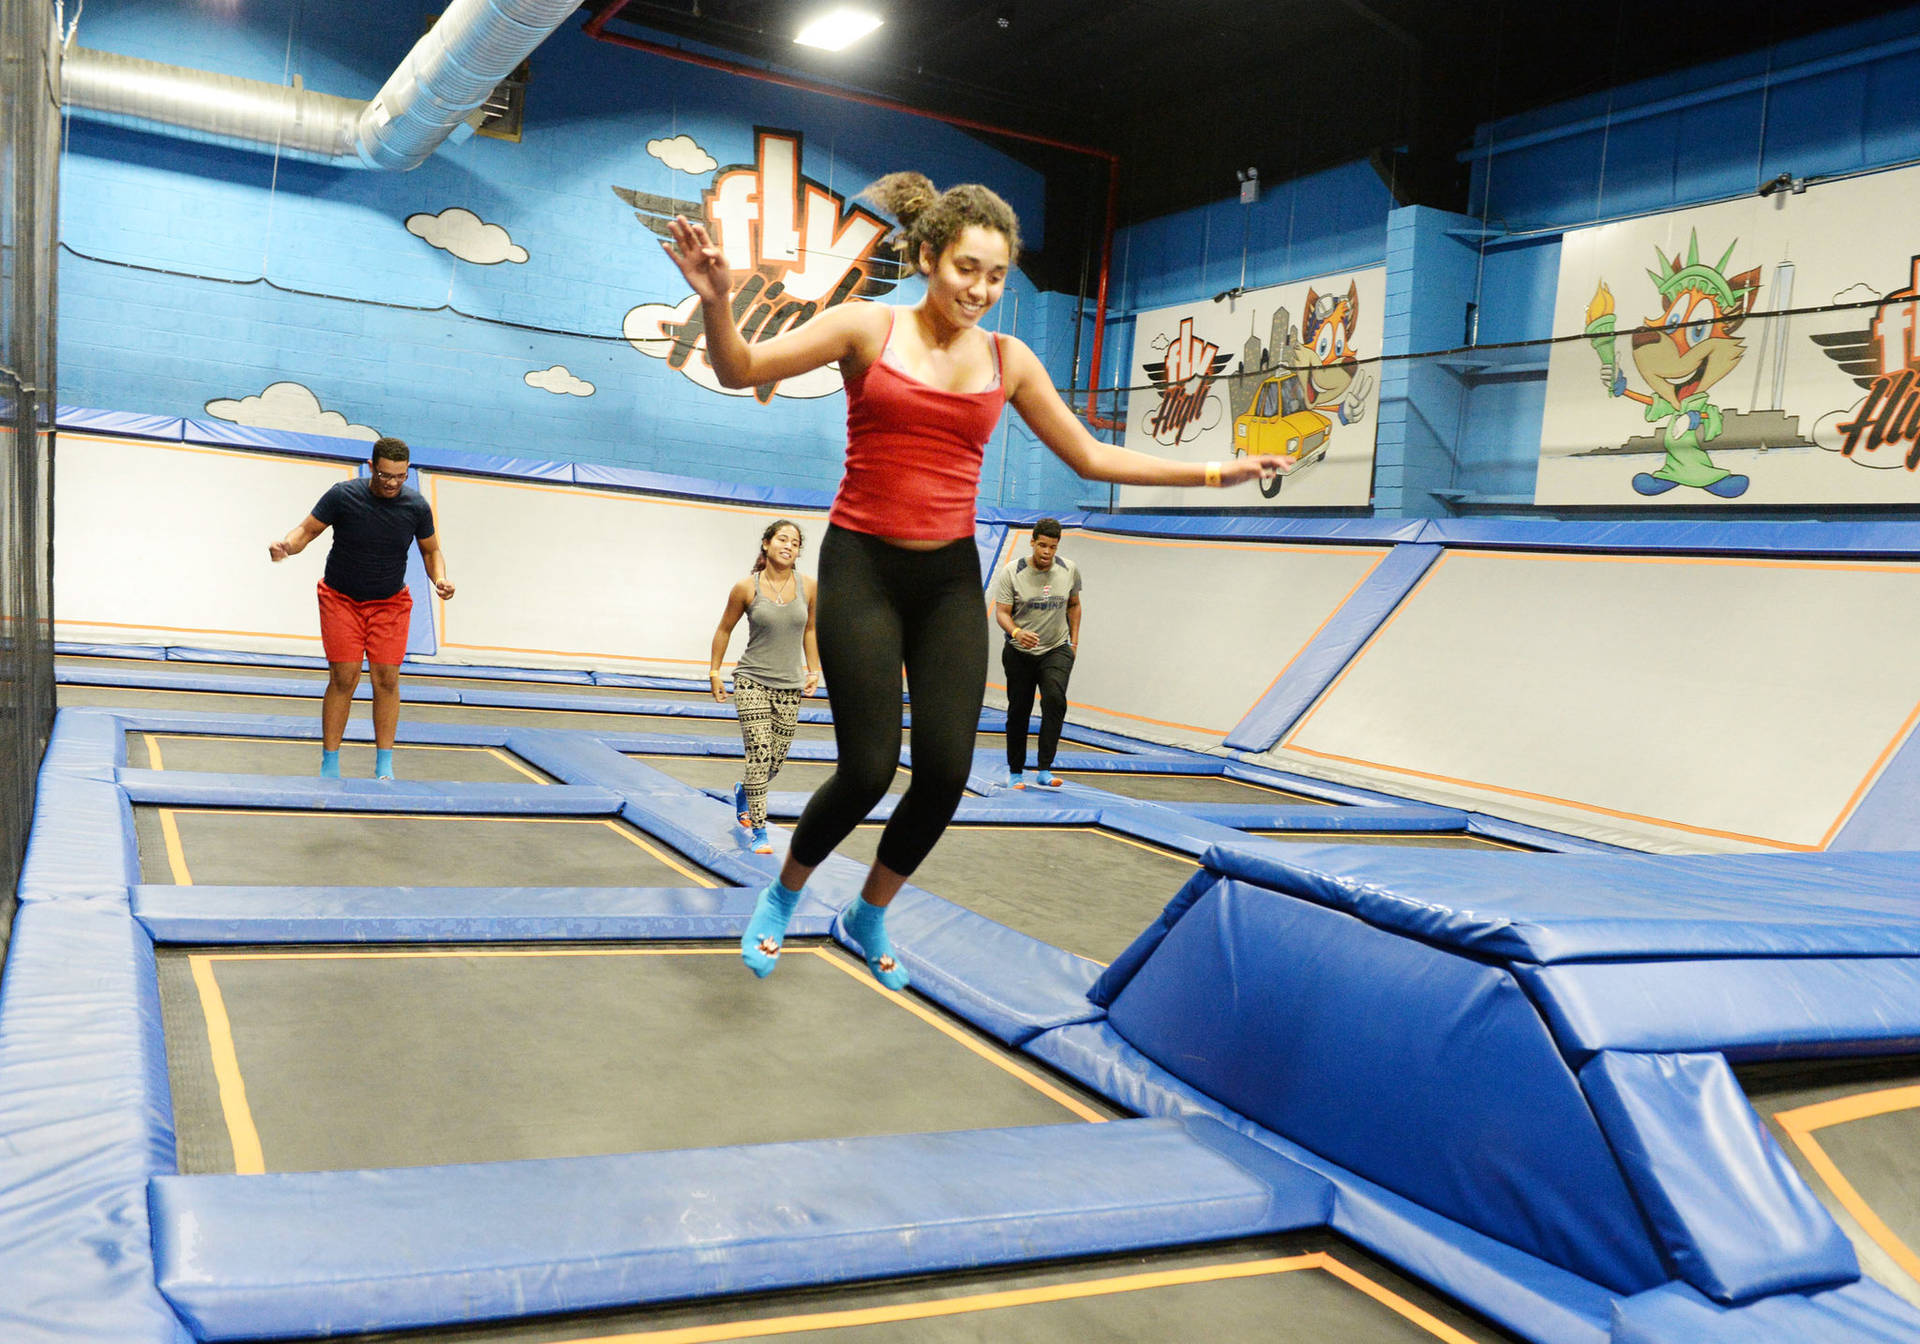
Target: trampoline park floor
[
  {"x": 187, "y": 846},
  {"x": 1161, "y": 788},
  {"x": 219, "y": 754},
  {"x": 1299, "y": 1288},
  {"x": 1852, "y": 1128},
  {"x": 342, "y": 1058}
]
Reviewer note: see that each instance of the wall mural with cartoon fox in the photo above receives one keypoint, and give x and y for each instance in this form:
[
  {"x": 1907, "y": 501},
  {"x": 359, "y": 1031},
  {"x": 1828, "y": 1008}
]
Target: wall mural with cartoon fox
[
  {"x": 1768, "y": 356},
  {"x": 1242, "y": 374}
]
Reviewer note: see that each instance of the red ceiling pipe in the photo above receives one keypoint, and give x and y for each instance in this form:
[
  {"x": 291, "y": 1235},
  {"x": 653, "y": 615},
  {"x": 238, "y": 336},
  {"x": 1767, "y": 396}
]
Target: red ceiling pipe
[{"x": 596, "y": 28}]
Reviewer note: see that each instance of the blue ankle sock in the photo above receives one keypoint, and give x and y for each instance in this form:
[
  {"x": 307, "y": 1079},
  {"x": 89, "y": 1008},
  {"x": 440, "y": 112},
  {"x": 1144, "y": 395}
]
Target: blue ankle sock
[
  {"x": 740, "y": 805},
  {"x": 383, "y": 762},
  {"x": 330, "y": 764},
  {"x": 1016, "y": 779},
  {"x": 761, "y": 845},
  {"x": 1044, "y": 778},
  {"x": 770, "y": 915},
  {"x": 867, "y": 926}
]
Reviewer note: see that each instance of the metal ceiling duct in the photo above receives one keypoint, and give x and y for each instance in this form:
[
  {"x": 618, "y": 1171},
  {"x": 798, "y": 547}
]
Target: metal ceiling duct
[{"x": 449, "y": 73}]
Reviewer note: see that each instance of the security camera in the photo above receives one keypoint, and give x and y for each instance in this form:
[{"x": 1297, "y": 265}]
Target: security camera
[{"x": 1780, "y": 183}]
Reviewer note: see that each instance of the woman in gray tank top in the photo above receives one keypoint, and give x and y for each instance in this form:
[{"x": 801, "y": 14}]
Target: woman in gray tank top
[{"x": 781, "y": 664}]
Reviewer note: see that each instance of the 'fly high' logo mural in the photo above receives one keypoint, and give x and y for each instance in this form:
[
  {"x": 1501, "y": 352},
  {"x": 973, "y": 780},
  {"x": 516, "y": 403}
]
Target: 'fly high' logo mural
[
  {"x": 1884, "y": 430},
  {"x": 796, "y": 249},
  {"x": 1184, "y": 379}
]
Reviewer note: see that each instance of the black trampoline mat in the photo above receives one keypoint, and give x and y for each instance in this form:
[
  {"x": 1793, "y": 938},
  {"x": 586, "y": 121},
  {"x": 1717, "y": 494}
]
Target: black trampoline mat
[
  {"x": 1087, "y": 890},
  {"x": 1409, "y": 839},
  {"x": 301, "y": 756},
  {"x": 266, "y": 847},
  {"x": 164, "y": 701},
  {"x": 1852, "y": 1128},
  {"x": 346, "y": 1058},
  {"x": 1300, "y": 1288},
  {"x": 723, "y": 772},
  {"x": 1188, "y": 788}
]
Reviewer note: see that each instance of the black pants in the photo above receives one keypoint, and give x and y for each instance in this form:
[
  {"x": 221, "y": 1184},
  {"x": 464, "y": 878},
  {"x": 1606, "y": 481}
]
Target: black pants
[
  {"x": 881, "y": 608},
  {"x": 1025, "y": 671}
]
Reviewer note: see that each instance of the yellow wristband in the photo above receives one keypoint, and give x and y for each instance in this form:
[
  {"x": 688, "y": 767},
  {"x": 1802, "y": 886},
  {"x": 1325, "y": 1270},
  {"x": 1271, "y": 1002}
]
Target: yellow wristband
[{"x": 1213, "y": 475}]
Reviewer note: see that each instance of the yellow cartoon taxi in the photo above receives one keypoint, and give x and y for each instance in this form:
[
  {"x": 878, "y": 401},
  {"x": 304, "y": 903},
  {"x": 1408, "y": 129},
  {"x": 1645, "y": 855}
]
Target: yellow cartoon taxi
[{"x": 1281, "y": 422}]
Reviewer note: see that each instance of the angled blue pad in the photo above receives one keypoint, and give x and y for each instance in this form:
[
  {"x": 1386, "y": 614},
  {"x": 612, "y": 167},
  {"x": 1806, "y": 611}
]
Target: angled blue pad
[
  {"x": 187, "y": 788},
  {"x": 698, "y": 487},
  {"x": 124, "y": 424},
  {"x": 1528, "y": 1296},
  {"x": 1889, "y": 816},
  {"x": 82, "y": 838},
  {"x": 87, "y": 1117},
  {"x": 144, "y": 652},
  {"x": 1394, "y": 1059},
  {"x": 1408, "y": 817},
  {"x": 1346, "y": 794},
  {"x": 1565, "y": 907},
  {"x": 1172, "y": 828},
  {"x": 492, "y": 464},
  {"x": 1732, "y": 1215},
  {"x": 343, "y": 1252},
  {"x": 600, "y": 704},
  {"x": 304, "y": 727},
  {"x": 1007, "y": 984},
  {"x": 637, "y": 681},
  {"x": 140, "y": 678},
  {"x": 1859, "y": 1313},
  {"x": 1499, "y": 828},
  {"x": 1354, "y": 530},
  {"x": 1720, "y": 536},
  {"x": 1314, "y": 668},
  {"x": 226, "y": 432},
  {"x": 246, "y": 658},
  {"x": 232, "y": 915},
  {"x": 1103, "y": 763},
  {"x": 1744, "y": 1007}
]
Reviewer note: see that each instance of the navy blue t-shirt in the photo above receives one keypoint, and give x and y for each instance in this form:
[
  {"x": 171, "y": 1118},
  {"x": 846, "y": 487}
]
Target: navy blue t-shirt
[{"x": 368, "y": 561}]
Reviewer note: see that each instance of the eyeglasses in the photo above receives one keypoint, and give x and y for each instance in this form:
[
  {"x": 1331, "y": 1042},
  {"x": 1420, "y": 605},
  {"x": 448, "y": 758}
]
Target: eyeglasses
[{"x": 390, "y": 478}]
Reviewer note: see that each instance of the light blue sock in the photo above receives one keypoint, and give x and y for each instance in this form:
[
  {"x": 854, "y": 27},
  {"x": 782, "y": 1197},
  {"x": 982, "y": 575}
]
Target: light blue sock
[
  {"x": 867, "y": 926},
  {"x": 1044, "y": 778},
  {"x": 329, "y": 764},
  {"x": 1016, "y": 780},
  {"x": 761, "y": 845},
  {"x": 383, "y": 762},
  {"x": 769, "y": 925}
]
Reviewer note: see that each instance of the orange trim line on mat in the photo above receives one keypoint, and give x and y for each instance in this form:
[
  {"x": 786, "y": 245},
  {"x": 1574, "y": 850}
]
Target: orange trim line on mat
[
  {"x": 153, "y": 748},
  {"x": 1799, "y": 1125},
  {"x": 1289, "y": 743},
  {"x": 575, "y": 491},
  {"x": 186, "y": 629},
  {"x": 853, "y": 1318}
]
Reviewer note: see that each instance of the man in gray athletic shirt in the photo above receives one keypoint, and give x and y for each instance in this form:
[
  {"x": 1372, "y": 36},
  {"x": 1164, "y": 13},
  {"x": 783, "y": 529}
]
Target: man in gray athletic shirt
[{"x": 1036, "y": 600}]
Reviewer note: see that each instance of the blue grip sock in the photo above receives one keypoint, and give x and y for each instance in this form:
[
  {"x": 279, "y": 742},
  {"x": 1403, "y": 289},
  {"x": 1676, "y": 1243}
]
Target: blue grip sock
[
  {"x": 383, "y": 762},
  {"x": 769, "y": 925},
  {"x": 329, "y": 764},
  {"x": 867, "y": 926},
  {"x": 1045, "y": 779}
]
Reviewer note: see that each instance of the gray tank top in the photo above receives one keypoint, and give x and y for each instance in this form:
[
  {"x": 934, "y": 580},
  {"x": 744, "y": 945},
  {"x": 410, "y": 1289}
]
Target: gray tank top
[{"x": 776, "y": 654}]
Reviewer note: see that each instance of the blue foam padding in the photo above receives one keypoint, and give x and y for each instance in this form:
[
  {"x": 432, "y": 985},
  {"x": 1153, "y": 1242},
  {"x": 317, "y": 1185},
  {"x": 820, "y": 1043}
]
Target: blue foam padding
[
  {"x": 82, "y": 838},
  {"x": 599, "y": 704},
  {"x": 1499, "y": 828},
  {"x": 1888, "y": 817},
  {"x": 409, "y": 668},
  {"x": 382, "y": 1250},
  {"x": 87, "y": 1119},
  {"x": 122, "y": 424},
  {"x": 1746, "y": 1007},
  {"x": 1416, "y": 817},
  {"x": 1564, "y": 907},
  {"x": 225, "y": 433},
  {"x": 1007, "y": 984},
  {"x": 185, "y": 788},
  {"x": 1347, "y": 795},
  {"x": 1167, "y": 827},
  {"x": 209, "y": 915},
  {"x": 244, "y": 658},
  {"x": 1718, "y": 536},
  {"x": 1540, "y": 1301},
  {"x": 988, "y": 538},
  {"x": 1332, "y": 647},
  {"x": 492, "y": 464},
  {"x": 1394, "y": 1059},
  {"x": 144, "y": 652},
  {"x": 1733, "y": 1217},
  {"x": 1200, "y": 767},
  {"x": 1859, "y": 1313},
  {"x": 302, "y": 727},
  {"x": 1024, "y": 519},
  {"x": 1357, "y": 531},
  {"x": 698, "y": 487},
  {"x": 637, "y": 681},
  {"x": 136, "y": 678}
]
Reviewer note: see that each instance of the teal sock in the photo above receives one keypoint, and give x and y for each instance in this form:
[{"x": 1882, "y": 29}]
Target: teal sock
[
  {"x": 1044, "y": 778},
  {"x": 329, "y": 764},
  {"x": 867, "y": 926},
  {"x": 769, "y": 925},
  {"x": 383, "y": 762}
]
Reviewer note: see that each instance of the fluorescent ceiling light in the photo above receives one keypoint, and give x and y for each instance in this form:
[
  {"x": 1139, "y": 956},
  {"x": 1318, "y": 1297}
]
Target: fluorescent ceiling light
[{"x": 837, "y": 28}]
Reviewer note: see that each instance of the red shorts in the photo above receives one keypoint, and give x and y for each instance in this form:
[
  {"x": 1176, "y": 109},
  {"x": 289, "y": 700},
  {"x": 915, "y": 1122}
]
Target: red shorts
[{"x": 378, "y": 629}]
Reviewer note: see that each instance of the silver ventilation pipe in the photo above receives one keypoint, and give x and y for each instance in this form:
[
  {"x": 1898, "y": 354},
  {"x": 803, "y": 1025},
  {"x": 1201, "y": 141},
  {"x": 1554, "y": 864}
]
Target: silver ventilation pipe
[{"x": 440, "y": 84}]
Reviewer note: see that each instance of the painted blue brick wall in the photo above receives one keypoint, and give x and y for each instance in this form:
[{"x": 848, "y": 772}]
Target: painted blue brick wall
[
  {"x": 364, "y": 335},
  {"x": 1432, "y": 270}
]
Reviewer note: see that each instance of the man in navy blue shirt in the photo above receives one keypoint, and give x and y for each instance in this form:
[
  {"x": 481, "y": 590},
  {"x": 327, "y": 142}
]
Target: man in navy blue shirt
[{"x": 365, "y": 605}]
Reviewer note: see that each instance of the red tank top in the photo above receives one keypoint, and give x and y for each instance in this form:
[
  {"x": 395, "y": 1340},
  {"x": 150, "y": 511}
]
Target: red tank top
[{"x": 914, "y": 453}]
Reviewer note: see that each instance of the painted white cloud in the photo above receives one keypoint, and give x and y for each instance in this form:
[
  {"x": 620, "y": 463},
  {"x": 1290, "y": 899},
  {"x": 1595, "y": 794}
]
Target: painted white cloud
[
  {"x": 289, "y": 406},
  {"x": 1857, "y": 293},
  {"x": 560, "y": 380},
  {"x": 682, "y": 154},
  {"x": 467, "y": 236},
  {"x": 646, "y": 331}
]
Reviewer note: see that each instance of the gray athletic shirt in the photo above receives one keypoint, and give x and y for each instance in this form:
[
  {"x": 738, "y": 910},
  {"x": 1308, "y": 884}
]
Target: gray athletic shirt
[
  {"x": 776, "y": 652},
  {"x": 1038, "y": 598}
]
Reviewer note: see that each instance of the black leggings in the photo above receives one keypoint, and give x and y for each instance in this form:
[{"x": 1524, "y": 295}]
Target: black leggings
[
  {"x": 883, "y": 607},
  {"x": 1026, "y": 672}
]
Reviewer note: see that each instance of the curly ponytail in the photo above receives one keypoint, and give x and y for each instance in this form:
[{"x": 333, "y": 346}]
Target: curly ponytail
[{"x": 928, "y": 215}]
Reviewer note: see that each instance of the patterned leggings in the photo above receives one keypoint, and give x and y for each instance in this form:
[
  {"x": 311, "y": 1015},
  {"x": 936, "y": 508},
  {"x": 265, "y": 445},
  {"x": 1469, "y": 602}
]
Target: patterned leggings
[{"x": 768, "y": 718}]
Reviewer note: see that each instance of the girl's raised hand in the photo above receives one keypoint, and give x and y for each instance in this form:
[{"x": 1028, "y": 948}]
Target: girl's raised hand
[{"x": 699, "y": 261}]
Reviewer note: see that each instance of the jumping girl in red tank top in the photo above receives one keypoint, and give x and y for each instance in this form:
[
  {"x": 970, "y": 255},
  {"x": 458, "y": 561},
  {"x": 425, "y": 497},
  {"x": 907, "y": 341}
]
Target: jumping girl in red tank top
[{"x": 899, "y": 577}]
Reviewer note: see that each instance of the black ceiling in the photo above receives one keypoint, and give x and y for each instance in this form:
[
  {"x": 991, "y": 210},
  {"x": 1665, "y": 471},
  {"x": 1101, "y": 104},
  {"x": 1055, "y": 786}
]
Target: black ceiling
[{"x": 1186, "y": 93}]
